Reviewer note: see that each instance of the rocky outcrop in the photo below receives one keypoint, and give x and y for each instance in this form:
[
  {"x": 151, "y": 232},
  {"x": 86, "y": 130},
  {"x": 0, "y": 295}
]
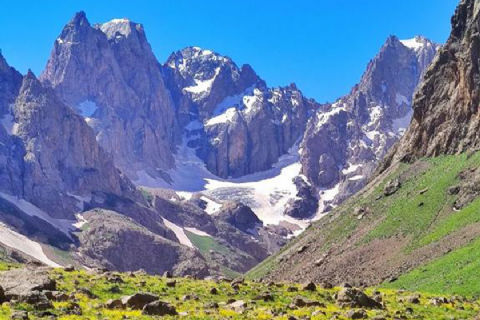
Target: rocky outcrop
[
  {"x": 64, "y": 167},
  {"x": 237, "y": 124},
  {"x": 445, "y": 118},
  {"x": 344, "y": 141},
  {"x": 109, "y": 74},
  {"x": 115, "y": 242},
  {"x": 240, "y": 216}
]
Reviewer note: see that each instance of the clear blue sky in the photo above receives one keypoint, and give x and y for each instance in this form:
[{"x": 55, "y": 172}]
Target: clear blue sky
[{"x": 321, "y": 45}]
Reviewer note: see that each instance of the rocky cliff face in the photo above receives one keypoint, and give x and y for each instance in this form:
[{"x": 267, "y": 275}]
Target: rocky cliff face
[
  {"x": 342, "y": 146},
  {"x": 63, "y": 165},
  {"x": 238, "y": 124},
  {"x": 446, "y": 117},
  {"x": 11, "y": 152},
  {"x": 109, "y": 74}
]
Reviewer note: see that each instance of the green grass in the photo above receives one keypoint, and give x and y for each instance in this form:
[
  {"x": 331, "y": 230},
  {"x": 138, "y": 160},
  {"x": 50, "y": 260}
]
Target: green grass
[
  {"x": 278, "y": 309},
  {"x": 420, "y": 213},
  {"x": 206, "y": 244},
  {"x": 409, "y": 213},
  {"x": 454, "y": 273}
]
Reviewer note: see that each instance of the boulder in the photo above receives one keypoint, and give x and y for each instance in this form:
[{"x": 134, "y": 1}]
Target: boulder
[
  {"x": 354, "y": 298},
  {"x": 159, "y": 308},
  {"x": 138, "y": 300}
]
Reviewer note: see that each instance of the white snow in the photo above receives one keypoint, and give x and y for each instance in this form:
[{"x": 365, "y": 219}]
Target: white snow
[
  {"x": 212, "y": 206},
  {"x": 179, "y": 233},
  {"x": 185, "y": 195},
  {"x": 8, "y": 122},
  {"x": 415, "y": 43},
  {"x": 87, "y": 108},
  {"x": 225, "y": 117},
  {"x": 372, "y": 134},
  {"x": 351, "y": 168},
  {"x": 355, "y": 178},
  {"x": 265, "y": 192},
  {"x": 327, "y": 196},
  {"x": 198, "y": 232},
  {"x": 81, "y": 221},
  {"x": 250, "y": 100},
  {"x": 21, "y": 243},
  {"x": 115, "y": 27},
  {"x": 62, "y": 225},
  {"x": 324, "y": 117},
  {"x": 202, "y": 86}
]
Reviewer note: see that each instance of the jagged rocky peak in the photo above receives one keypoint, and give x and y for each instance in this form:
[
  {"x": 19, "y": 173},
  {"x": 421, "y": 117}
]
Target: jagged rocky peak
[
  {"x": 234, "y": 121},
  {"x": 344, "y": 141},
  {"x": 109, "y": 74},
  {"x": 206, "y": 78},
  {"x": 446, "y": 104},
  {"x": 10, "y": 81}
]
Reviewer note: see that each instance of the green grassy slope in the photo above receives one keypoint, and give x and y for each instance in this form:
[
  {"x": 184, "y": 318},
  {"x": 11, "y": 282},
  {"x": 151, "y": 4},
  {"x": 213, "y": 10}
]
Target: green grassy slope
[{"x": 420, "y": 213}]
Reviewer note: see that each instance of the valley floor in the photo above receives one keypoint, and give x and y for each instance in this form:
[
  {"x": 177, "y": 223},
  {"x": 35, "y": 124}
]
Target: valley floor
[{"x": 82, "y": 295}]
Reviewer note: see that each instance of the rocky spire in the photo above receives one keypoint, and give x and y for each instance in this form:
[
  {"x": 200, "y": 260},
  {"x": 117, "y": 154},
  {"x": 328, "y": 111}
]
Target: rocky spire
[
  {"x": 342, "y": 146},
  {"x": 445, "y": 119},
  {"x": 63, "y": 162},
  {"x": 109, "y": 73}
]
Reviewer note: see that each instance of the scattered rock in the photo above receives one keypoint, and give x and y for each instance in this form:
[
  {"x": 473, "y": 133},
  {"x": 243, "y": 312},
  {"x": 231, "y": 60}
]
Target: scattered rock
[
  {"x": 310, "y": 286},
  {"x": 114, "y": 304},
  {"x": 356, "y": 314},
  {"x": 138, "y": 300},
  {"x": 69, "y": 268},
  {"x": 415, "y": 299},
  {"x": 302, "y": 302},
  {"x": 238, "y": 306},
  {"x": 19, "y": 315},
  {"x": 354, "y": 298},
  {"x": 171, "y": 283},
  {"x": 159, "y": 308},
  {"x": 392, "y": 187}
]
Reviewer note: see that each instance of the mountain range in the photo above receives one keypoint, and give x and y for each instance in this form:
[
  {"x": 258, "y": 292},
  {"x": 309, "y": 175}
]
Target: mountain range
[{"x": 111, "y": 159}]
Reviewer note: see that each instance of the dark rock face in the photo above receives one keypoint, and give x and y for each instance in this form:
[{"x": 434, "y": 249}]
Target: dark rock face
[
  {"x": 306, "y": 204},
  {"x": 238, "y": 124},
  {"x": 110, "y": 75},
  {"x": 445, "y": 119},
  {"x": 355, "y": 132},
  {"x": 240, "y": 216},
  {"x": 115, "y": 242}
]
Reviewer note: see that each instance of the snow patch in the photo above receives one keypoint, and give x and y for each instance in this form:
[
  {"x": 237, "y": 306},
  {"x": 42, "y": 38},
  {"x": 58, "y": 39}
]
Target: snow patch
[
  {"x": 225, "y": 117},
  {"x": 179, "y": 233},
  {"x": 324, "y": 117},
  {"x": 415, "y": 43},
  {"x": 351, "y": 168},
  {"x": 63, "y": 225},
  {"x": 198, "y": 232},
  {"x": 212, "y": 206},
  {"x": 202, "y": 86},
  {"x": 23, "y": 244},
  {"x": 8, "y": 122}
]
